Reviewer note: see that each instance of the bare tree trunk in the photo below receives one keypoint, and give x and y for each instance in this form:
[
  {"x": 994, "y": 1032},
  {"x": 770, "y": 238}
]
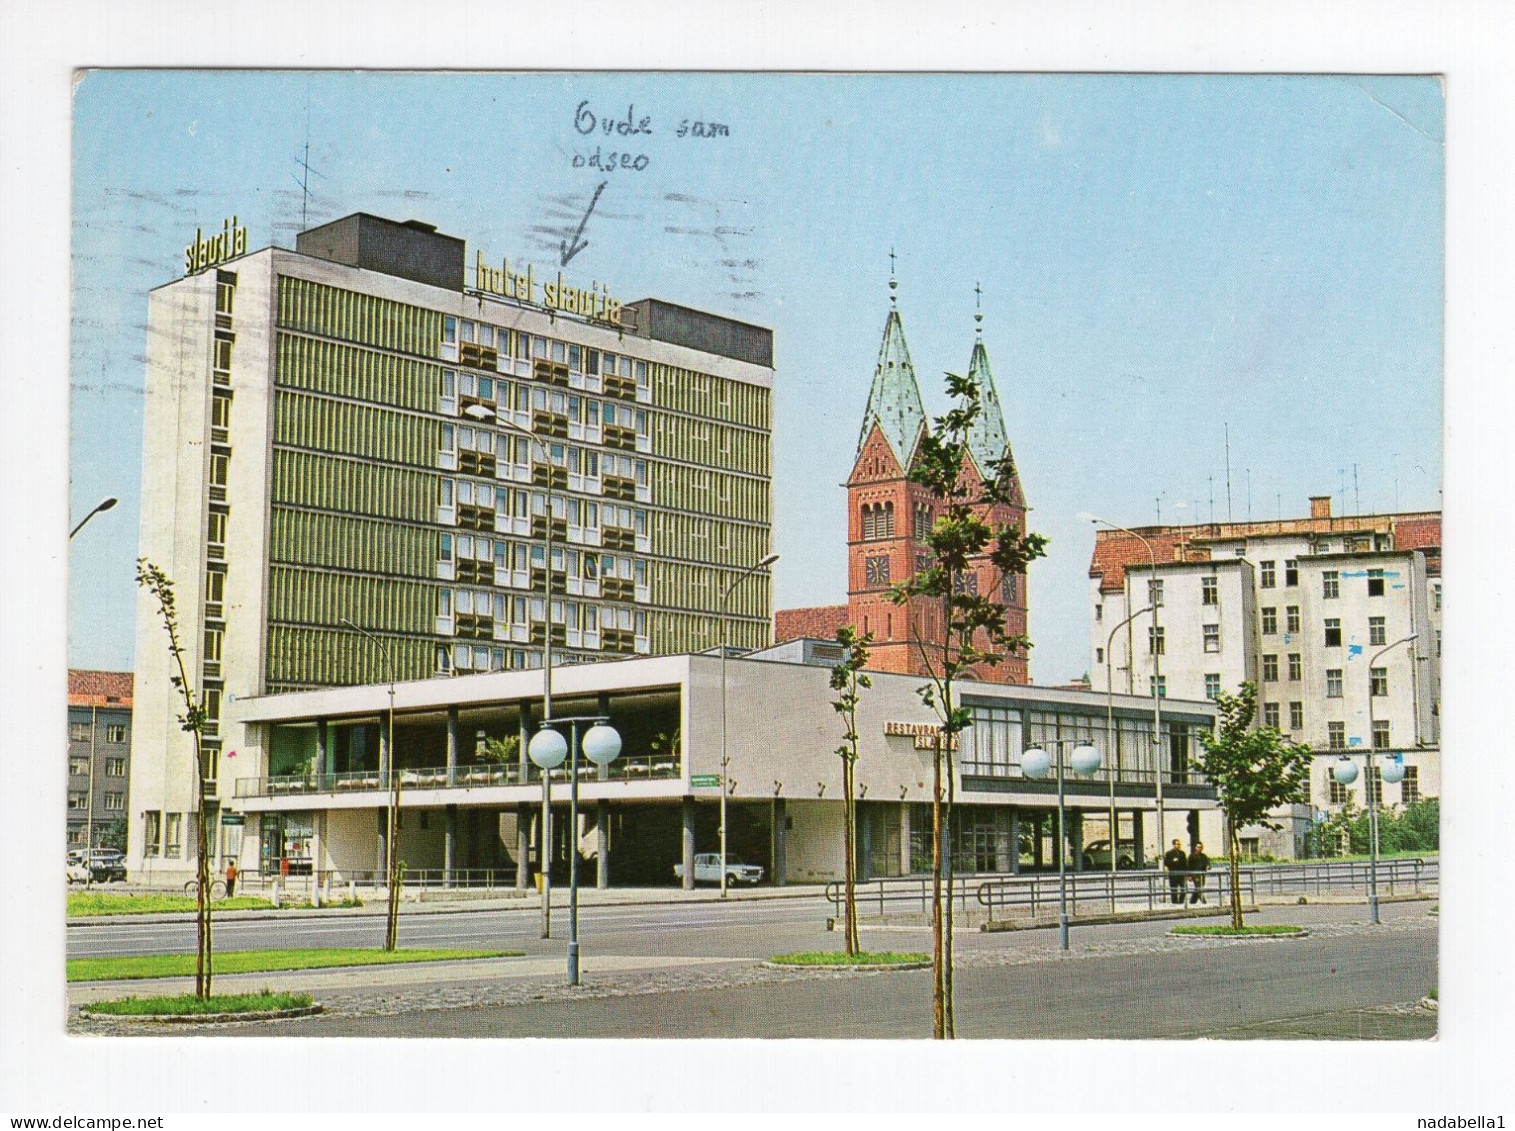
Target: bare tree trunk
[
  {"x": 950, "y": 1016},
  {"x": 392, "y": 918},
  {"x": 1233, "y": 852},
  {"x": 849, "y": 819},
  {"x": 938, "y": 987}
]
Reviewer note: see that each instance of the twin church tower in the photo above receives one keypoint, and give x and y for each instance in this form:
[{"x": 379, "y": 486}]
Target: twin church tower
[{"x": 888, "y": 518}]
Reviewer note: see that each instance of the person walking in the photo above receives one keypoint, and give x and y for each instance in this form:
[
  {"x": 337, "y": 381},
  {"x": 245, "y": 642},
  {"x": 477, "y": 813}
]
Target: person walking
[
  {"x": 1175, "y": 860},
  {"x": 1199, "y": 864},
  {"x": 231, "y": 878}
]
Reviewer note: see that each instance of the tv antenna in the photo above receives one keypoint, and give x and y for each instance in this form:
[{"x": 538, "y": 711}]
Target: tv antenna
[{"x": 303, "y": 180}]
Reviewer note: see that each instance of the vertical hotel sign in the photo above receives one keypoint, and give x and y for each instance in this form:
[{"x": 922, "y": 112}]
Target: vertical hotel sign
[{"x": 207, "y": 251}]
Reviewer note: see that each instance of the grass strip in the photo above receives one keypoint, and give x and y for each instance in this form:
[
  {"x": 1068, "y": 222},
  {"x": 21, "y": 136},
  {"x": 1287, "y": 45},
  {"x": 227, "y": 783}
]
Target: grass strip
[
  {"x": 187, "y": 1005},
  {"x": 256, "y": 961},
  {"x": 837, "y": 958},
  {"x": 82, "y": 903},
  {"x": 1232, "y": 932}
]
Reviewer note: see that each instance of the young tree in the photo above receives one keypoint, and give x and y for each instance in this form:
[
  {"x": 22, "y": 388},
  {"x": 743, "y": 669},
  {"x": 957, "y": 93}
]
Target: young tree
[
  {"x": 848, "y": 679},
  {"x": 973, "y": 623},
  {"x": 1254, "y": 771},
  {"x": 158, "y": 584}
]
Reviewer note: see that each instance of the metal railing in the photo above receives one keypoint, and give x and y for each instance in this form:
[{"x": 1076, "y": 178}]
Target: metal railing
[
  {"x": 636, "y": 767},
  {"x": 1092, "y": 892}
]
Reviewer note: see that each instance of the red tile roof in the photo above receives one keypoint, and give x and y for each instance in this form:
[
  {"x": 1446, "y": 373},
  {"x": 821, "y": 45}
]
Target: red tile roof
[
  {"x": 1115, "y": 552},
  {"x": 99, "y": 689}
]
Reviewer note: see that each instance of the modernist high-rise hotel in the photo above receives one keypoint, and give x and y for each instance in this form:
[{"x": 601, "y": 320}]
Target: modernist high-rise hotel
[{"x": 459, "y": 458}]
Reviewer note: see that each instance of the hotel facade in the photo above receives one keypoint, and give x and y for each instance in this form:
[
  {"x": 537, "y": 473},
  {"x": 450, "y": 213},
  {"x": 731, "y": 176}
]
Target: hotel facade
[{"x": 462, "y": 459}]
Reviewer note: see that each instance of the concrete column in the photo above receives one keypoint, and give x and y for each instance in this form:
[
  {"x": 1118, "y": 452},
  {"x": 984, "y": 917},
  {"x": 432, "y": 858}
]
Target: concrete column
[
  {"x": 449, "y": 845},
  {"x": 1015, "y": 839},
  {"x": 384, "y": 753},
  {"x": 864, "y": 841},
  {"x": 1076, "y": 839},
  {"x": 688, "y": 844},
  {"x": 602, "y": 843},
  {"x": 904, "y": 838},
  {"x": 324, "y": 755},
  {"x": 1136, "y": 835},
  {"x": 1193, "y": 824},
  {"x": 780, "y": 842},
  {"x": 315, "y": 858},
  {"x": 452, "y": 746},
  {"x": 523, "y": 846}
]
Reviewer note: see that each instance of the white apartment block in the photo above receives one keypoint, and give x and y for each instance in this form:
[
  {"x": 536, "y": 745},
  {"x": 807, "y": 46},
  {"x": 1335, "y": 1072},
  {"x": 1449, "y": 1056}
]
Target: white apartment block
[{"x": 1337, "y": 620}]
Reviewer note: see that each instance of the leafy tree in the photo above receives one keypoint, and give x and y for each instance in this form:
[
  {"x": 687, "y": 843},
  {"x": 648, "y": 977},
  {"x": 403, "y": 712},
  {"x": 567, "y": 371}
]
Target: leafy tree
[
  {"x": 502, "y": 751},
  {"x": 975, "y": 636},
  {"x": 115, "y": 835},
  {"x": 192, "y": 720},
  {"x": 1254, "y": 771},
  {"x": 848, "y": 679}
]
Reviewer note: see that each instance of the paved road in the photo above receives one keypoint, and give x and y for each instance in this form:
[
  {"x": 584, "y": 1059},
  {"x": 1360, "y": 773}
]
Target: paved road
[{"x": 688, "y": 972}]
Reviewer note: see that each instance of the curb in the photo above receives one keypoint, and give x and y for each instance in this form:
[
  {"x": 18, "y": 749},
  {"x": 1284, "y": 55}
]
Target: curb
[
  {"x": 1302, "y": 933},
  {"x": 1429, "y": 1003},
  {"x": 1106, "y": 920},
  {"x": 204, "y": 1018},
  {"x": 850, "y": 967}
]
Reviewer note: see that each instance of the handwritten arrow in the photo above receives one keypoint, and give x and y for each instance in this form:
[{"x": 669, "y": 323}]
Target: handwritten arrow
[{"x": 568, "y": 249}]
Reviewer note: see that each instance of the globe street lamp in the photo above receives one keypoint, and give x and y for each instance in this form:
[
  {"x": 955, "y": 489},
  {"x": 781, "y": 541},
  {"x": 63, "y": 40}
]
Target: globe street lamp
[
  {"x": 725, "y": 760},
  {"x": 1157, "y": 669},
  {"x": 103, "y": 505},
  {"x": 601, "y": 745},
  {"x": 1345, "y": 772},
  {"x": 1036, "y": 763}
]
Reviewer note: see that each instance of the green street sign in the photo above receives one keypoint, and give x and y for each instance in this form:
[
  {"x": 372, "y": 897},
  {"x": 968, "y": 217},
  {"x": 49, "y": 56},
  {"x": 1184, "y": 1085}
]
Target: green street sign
[{"x": 705, "y": 781}]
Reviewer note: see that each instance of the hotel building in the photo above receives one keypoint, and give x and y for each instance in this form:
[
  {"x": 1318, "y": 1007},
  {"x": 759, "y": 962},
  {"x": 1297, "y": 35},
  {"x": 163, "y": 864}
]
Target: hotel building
[{"x": 464, "y": 460}]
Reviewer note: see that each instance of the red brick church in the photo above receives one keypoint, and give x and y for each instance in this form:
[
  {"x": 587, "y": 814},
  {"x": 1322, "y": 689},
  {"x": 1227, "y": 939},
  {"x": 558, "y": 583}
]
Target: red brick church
[{"x": 888, "y": 517}]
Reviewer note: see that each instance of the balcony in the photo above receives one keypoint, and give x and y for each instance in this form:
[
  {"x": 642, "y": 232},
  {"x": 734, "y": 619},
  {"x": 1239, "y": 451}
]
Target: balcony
[
  {"x": 475, "y": 627},
  {"x": 624, "y": 439},
  {"x": 552, "y": 372},
  {"x": 545, "y": 475},
  {"x": 617, "y": 487},
  {"x": 472, "y": 517},
  {"x": 476, "y": 463},
  {"x": 618, "y": 538},
  {"x": 623, "y": 388},
  {"x": 628, "y": 767},
  {"x": 478, "y": 356},
  {"x": 550, "y": 425}
]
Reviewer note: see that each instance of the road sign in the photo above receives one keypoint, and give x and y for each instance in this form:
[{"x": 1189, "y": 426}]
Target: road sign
[{"x": 705, "y": 781}]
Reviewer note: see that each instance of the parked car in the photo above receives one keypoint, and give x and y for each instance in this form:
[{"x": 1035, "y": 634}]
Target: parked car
[
  {"x": 1097, "y": 855},
  {"x": 76, "y": 871},
  {"x": 707, "y": 870},
  {"x": 107, "y": 864}
]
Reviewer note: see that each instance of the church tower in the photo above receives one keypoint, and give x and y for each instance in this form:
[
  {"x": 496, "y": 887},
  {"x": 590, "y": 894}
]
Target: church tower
[{"x": 888, "y": 516}]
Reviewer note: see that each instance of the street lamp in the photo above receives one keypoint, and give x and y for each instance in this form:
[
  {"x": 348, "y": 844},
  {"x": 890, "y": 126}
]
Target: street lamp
[
  {"x": 1114, "y": 745},
  {"x": 601, "y": 745},
  {"x": 488, "y": 415},
  {"x": 1157, "y": 668},
  {"x": 103, "y": 505},
  {"x": 1345, "y": 772},
  {"x": 725, "y": 760},
  {"x": 392, "y": 825},
  {"x": 1035, "y": 764}
]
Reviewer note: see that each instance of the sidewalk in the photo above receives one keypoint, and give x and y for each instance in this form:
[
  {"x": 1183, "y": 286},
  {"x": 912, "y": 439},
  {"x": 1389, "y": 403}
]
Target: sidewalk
[{"x": 376, "y": 903}]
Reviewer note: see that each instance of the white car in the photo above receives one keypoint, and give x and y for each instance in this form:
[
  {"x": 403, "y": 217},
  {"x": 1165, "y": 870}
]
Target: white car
[{"x": 707, "y": 870}]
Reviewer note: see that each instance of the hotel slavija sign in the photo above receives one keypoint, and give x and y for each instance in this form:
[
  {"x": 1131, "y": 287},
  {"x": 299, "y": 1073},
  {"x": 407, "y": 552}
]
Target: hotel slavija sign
[
  {"x": 207, "y": 251},
  {"x": 595, "y": 304},
  {"x": 923, "y": 733}
]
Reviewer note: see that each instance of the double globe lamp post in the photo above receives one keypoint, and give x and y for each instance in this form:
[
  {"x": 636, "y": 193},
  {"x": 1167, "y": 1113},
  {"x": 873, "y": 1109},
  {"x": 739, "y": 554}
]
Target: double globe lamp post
[
  {"x": 1036, "y": 764},
  {"x": 548, "y": 748}
]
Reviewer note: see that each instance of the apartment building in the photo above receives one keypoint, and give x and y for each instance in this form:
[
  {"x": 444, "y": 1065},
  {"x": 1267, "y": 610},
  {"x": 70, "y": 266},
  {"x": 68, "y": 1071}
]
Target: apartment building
[
  {"x": 1336, "y": 619},
  {"x": 372, "y": 459},
  {"x": 99, "y": 753}
]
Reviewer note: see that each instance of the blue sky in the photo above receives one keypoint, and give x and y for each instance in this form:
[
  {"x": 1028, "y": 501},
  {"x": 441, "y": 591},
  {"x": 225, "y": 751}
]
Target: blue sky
[{"x": 1160, "y": 257}]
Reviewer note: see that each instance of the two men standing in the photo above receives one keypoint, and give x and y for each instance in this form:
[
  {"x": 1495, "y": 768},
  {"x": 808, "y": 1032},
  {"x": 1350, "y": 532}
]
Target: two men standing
[{"x": 1181, "y": 867}]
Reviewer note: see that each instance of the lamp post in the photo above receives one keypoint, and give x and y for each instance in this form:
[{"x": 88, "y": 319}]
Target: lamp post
[
  {"x": 1113, "y": 744},
  {"x": 725, "y": 760},
  {"x": 601, "y": 745},
  {"x": 1345, "y": 772},
  {"x": 1157, "y": 668},
  {"x": 392, "y": 824},
  {"x": 104, "y": 504},
  {"x": 1035, "y": 764},
  {"x": 488, "y": 415}
]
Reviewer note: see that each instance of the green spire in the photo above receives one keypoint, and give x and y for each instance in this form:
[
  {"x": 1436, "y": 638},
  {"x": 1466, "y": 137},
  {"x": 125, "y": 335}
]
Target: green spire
[
  {"x": 894, "y": 401},
  {"x": 987, "y": 439}
]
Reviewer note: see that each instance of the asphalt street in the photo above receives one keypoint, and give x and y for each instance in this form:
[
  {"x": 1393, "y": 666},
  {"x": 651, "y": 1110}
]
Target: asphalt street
[{"x": 689, "y": 971}]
